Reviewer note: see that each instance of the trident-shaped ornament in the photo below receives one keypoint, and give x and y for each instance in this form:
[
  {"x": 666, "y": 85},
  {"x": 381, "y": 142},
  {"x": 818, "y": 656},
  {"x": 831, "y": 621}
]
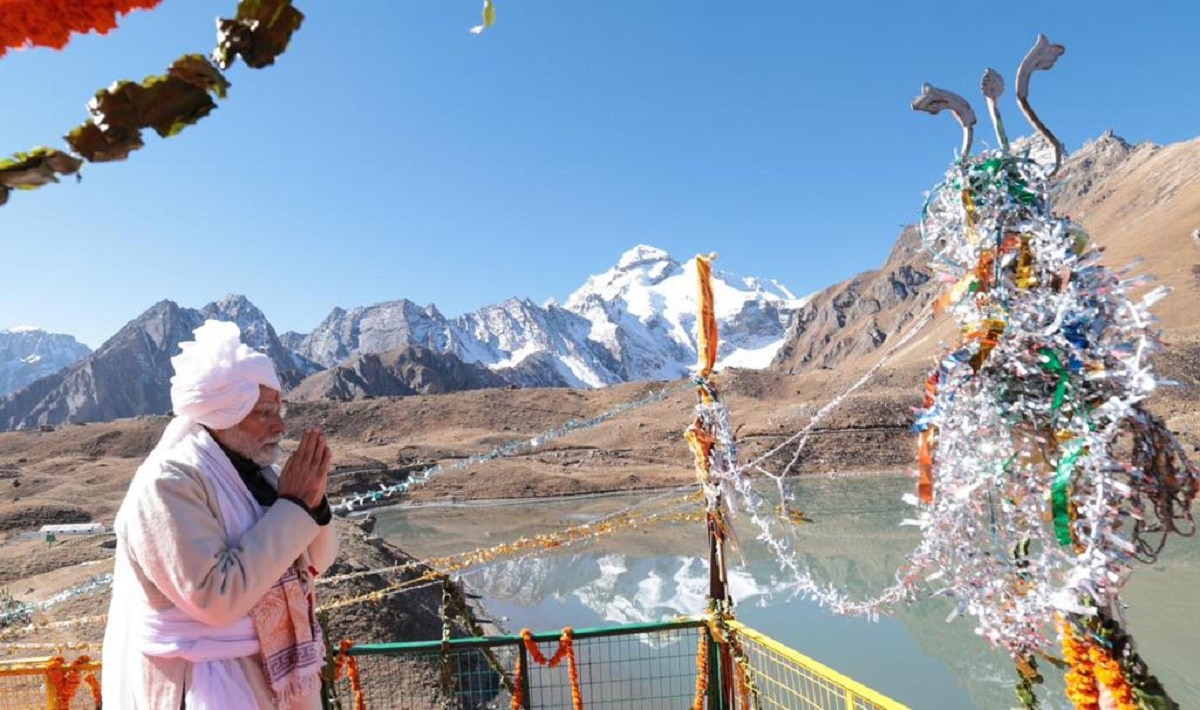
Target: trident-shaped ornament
[
  {"x": 992, "y": 85},
  {"x": 1043, "y": 55},
  {"x": 934, "y": 100}
]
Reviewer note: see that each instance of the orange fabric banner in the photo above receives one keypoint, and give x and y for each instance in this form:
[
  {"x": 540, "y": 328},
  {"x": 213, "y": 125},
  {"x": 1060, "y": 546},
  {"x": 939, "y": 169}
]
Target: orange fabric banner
[
  {"x": 706, "y": 322},
  {"x": 926, "y": 443},
  {"x": 702, "y": 444}
]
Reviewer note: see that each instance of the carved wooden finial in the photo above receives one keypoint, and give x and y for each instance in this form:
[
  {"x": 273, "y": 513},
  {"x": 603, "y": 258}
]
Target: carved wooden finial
[
  {"x": 1043, "y": 55},
  {"x": 992, "y": 86},
  {"x": 934, "y": 100}
]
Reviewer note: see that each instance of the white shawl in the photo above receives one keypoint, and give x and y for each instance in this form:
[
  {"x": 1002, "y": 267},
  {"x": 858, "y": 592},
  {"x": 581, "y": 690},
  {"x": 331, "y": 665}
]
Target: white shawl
[{"x": 218, "y": 681}]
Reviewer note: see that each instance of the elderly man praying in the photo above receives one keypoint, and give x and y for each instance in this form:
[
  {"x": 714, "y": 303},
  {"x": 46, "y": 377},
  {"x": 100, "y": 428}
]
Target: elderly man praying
[{"x": 217, "y": 549}]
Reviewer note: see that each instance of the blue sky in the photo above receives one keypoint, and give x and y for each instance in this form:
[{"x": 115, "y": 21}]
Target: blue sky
[{"x": 391, "y": 154}]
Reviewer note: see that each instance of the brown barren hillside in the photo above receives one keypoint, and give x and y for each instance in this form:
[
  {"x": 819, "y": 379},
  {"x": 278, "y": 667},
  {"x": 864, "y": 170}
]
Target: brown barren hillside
[{"x": 1140, "y": 203}]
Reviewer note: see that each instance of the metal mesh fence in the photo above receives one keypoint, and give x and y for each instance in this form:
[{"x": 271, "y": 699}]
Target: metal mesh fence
[
  {"x": 23, "y": 691},
  {"x": 648, "y": 666},
  {"x": 429, "y": 679},
  {"x": 785, "y": 678},
  {"x": 653, "y": 669},
  {"x": 633, "y": 667}
]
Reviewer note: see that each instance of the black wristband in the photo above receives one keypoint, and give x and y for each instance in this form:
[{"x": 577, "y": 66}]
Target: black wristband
[{"x": 321, "y": 516}]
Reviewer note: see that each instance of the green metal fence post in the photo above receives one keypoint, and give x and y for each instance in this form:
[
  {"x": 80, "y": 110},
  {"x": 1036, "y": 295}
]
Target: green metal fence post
[{"x": 523, "y": 665}]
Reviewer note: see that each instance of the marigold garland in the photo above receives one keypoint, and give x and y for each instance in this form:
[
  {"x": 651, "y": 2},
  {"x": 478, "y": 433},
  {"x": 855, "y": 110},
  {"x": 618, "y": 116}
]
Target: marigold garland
[
  {"x": 741, "y": 679},
  {"x": 566, "y": 649},
  {"x": 743, "y": 682},
  {"x": 344, "y": 661},
  {"x": 1081, "y": 679},
  {"x": 50, "y": 23},
  {"x": 573, "y": 670},
  {"x": 65, "y": 678},
  {"x": 518, "y": 692},
  {"x": 701, "y": 672},
  {"x": 93, "y": 684},
  {"x": 1110, "y": 675}
]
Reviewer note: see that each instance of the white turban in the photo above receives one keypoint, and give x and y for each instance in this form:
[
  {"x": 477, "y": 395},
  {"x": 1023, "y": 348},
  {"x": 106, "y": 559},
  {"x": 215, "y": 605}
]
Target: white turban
[
  {"x": 216, "y": 382},
  {"x": 217, "y": 376}
]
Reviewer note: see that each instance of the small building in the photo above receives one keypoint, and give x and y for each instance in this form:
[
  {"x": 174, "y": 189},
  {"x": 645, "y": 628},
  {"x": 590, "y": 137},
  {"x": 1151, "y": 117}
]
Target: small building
[{"x": 73, "y": 529}]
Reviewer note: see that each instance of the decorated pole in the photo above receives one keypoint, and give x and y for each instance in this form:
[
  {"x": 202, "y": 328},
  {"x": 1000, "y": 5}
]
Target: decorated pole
[
  {"x": 1043, "y": 478},
  {"x": 706, "y": 346},
  {"x": 713, "y": 457}
]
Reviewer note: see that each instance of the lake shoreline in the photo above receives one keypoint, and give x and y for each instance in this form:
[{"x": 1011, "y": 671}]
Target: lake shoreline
[{"x": 460, "y": 502}]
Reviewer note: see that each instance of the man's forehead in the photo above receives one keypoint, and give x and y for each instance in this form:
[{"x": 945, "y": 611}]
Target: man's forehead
[{"x": 266, "y": 395}]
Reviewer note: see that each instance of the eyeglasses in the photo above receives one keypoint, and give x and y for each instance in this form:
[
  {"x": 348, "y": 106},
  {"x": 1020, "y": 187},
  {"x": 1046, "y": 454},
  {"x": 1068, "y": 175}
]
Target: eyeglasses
[{"x": 269, "y": 411}]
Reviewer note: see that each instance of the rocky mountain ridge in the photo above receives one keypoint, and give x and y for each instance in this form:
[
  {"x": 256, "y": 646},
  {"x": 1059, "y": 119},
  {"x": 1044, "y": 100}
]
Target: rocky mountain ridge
[
  {"x": 633, "y": 322},
  {"x": 636, "y": 320},
  {"x": 28, "y": 354},
  {"x": 130, "y": 374},
  {"x": 396, "y": 373}
]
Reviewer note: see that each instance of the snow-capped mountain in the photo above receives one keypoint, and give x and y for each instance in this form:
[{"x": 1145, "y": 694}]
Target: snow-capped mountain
[
  {"x": 28, "y": 353},
  {"x": 630, "y": 591},
  {"x": 643, "y": 311},
  {"x": 622, "y": 588},
  {"x": 511, "y": 338},
  {"x": 635, "y": 321}
]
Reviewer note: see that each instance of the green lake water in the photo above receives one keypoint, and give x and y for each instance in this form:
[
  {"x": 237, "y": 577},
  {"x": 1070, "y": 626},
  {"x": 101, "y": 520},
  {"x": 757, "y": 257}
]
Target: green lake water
[{"x": 659, "y": 571}]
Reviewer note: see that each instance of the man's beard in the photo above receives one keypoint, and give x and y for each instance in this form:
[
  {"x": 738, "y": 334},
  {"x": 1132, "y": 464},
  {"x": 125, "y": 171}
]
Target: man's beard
[{"x": 263, "y": 453}]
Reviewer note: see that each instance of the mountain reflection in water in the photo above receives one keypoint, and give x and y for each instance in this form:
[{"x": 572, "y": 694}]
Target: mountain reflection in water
[{"x": 659, "y": 571}]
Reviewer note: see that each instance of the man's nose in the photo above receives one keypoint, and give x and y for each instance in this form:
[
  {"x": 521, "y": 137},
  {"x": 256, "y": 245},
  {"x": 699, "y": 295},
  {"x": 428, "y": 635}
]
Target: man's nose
[{"x": 278, "y": 426}]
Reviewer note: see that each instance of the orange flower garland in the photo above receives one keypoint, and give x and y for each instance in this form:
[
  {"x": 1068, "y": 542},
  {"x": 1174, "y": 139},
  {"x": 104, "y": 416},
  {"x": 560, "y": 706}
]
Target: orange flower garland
[
  {"x": 65, "y": 678},
  {"x": 566, "y": 649},
  {"x": 573, "y": 670},
  {"x": 93, "y": 684},
  {"x": 349, "y": 664},
  {"x": 1109, "y": 674},
  {"x": 701, "y": 672},
  {"x": 1081, "y": 679},
  {"x": 50, "y": 23},
  {"x": 518, "y": 692}
]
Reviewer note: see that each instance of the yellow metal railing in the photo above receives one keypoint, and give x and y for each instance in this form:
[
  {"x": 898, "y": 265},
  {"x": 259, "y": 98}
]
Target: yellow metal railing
[
  {"x": 637, "y": 663},
  {"x": 634, "y": 665},
  {"x": 48, "y": 683},
  {"x": 782, "y": 677}
]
